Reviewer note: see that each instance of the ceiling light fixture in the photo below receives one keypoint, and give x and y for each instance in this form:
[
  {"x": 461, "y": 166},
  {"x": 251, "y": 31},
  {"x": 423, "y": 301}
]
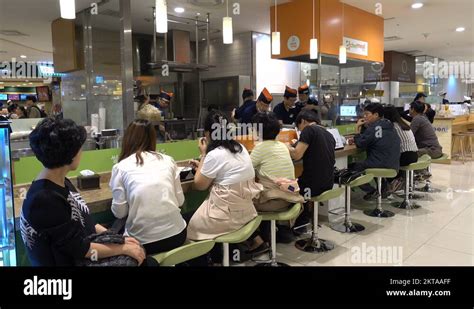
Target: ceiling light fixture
[
  {"x": 342, "y": 48},
  {"x": 179, "y": 10},
  {"x": 313, "y": 43},
  {"x": 460, "y": 29},
  {"x": 276, "y": 35},
  {"x": 68, "y": 9},
  {"x": 227, "y": 31},
  {"x": 23, "y": 57},
  {"x": 161, "y": 16},
  {"x": 417, "y": 5}
]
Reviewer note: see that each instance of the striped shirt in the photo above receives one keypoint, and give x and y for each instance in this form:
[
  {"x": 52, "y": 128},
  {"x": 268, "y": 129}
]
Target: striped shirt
[
  {"x": 272, "y": 159},
  {"x": 407, "y": 139}
]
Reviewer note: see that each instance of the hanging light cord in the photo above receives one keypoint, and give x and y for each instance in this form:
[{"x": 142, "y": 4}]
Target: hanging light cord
[
  {"x": 276, "y": 20},
  {"x": 313, "y": 19},
  {"x": 227, "y": 8}
]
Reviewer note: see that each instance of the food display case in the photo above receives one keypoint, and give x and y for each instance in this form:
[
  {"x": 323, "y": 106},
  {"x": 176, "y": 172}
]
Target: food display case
[{"x": 7, "y": 217}]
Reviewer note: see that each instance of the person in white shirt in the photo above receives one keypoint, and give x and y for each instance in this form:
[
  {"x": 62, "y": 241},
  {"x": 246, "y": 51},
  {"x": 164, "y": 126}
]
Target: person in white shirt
[
  {"x": 146, "y": 188},
  {"x": 225, "y": 168}
]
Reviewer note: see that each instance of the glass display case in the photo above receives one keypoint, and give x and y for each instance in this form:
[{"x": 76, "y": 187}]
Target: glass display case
[{"x": 7, "y": 217}]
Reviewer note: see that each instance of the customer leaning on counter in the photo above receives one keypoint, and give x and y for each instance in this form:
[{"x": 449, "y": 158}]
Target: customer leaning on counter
[
  {"x": 55, "y": 221},
  {"x": 381, "y": 143},
  {"x": 146, "y": 190},
  {"x": 226, "y": 168},
  {"x": 316, "y": 147}
]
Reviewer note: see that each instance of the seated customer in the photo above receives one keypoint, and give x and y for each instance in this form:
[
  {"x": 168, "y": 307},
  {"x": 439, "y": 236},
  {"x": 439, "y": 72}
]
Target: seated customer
[
  {"x": 316, "y": 147},
  {"x": 55, "y": 220},
  {"x": 380, "y": 141},
  {"x": 425, "y": 136},
  {"x": 225, "y": 168},
  {"x": 408, "y": 148},
  {"x": 272, "y": 162},
  {"x": 146, "y": 189}
]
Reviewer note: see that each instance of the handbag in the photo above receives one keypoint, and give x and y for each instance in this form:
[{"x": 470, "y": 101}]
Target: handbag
[{"x": 345, "y": 176}]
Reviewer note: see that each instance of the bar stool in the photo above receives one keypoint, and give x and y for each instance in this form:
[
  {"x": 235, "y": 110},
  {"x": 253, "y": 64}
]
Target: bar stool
[
  {"x": 459, "y": 138},
  {"x": 427, "y": 187},
  {"x": 237, "y": 237},
  {"x": 348, "y": 226},
  {"x": 409, "y": 170},
  {"x": 184, "y": 253},
  {"x": 380, "y": 173},
  {"x": 273, "y": 217},
  {"x": 314, "y": 244},
  {"x": 469, "y": 136}
]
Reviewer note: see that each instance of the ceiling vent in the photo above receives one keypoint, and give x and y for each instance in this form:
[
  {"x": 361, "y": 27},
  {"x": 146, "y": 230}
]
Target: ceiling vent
[
  {"x": 207, "y": 3},
  {"x": 392, "y": 38},
  {"x": 12, "y": 33}
]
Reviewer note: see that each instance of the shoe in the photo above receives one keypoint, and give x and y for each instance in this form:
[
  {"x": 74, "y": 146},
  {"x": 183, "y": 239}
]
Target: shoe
[
  {"x": 264, "y": 247},
  {"x": 371, "y": 196},
  {"x": 284, "y": 235},
  {"x": 398, "y": 185}
]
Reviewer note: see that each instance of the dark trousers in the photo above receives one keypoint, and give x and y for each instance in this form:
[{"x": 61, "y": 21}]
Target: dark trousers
[
  {"x": 360, "y": 167},
  {"x": 166, "y": 244},
  {"x": 407, "y": 158}
]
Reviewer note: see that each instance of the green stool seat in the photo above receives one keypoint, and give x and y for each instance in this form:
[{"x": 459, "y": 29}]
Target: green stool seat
[
  {"x": 440, "y": 159},
  {"x": 348, "y": 226},
  {"x": 380, "y": 173},
  {"x": 286, "y": 215},
  {"x": 314, "y": 244},
  {"x": 237, "y": 237},
  {"x": 424, "y": 157},
  {"x": 184, "y": 253},
  {"x": 420, "y": 165},
  {"x": 423, "y": 162}
]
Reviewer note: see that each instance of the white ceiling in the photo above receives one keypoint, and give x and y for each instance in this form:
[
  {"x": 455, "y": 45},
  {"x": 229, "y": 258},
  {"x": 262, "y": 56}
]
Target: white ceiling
[{"x": 439, "y": 18}]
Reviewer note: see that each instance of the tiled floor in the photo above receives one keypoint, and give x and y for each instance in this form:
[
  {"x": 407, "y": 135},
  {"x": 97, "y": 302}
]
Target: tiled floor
[{"x": 440, "y": 233}]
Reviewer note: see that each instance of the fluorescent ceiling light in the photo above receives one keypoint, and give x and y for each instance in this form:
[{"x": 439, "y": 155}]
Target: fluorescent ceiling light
[
  {"x": 68, "y": 9},
  {"x": 161, "y": 16},
  {"x": 460, "y": 29},
  {"x": 179, "y": 10},
  {"x": 417, "y": 5},
  {"x": 23, "y": 57}
]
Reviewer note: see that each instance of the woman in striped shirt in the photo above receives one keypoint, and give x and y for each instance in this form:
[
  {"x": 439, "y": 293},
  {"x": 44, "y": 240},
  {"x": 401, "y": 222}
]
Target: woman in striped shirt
[{"x": 408, "y": 148}]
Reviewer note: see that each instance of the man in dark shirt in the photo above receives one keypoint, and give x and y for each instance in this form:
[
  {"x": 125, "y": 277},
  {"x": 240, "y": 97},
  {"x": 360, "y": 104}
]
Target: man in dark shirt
[
  {"x": 316, "y": 147},
  {"x": 425, "y": 136},
  {"x": 287, "y": 110},
  {"x": 380, "y": 141},
  {"x": 248, "y": 99},
  {"x": 307, "y": 102},
  {"x": 262, "y": 105},
  {"x": 428, "y": 111}
]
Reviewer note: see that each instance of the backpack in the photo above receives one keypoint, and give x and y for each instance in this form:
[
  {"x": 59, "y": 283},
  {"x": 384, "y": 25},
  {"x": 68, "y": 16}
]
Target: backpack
[{"x": 42, "y": 113}]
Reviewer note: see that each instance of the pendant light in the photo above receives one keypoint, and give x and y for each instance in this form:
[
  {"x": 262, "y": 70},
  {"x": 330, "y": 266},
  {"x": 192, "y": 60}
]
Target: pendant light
[
  {"x": 276, "y": 35},
  {"x": 228, "y": 35},
  {"x": 68, "y": 9},
  {"x": 313, "y": 43},
  {"x": 161, "y": 9},
  {"x": 342, "y": 48}
]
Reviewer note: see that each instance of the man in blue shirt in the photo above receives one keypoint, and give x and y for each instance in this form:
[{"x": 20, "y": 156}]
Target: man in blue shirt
[
  {"x": 248, "y": 97},
  {"x": 262, "y": 105},
  {"x": 163, "y": 102},
  {"x": 287, "y": 110},
  {"x": 306, "y": 102}
]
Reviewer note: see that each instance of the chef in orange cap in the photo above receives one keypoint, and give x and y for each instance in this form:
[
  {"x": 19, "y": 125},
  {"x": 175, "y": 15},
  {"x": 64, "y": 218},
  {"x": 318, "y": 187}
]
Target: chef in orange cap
[{"x": 287, "y": 110}]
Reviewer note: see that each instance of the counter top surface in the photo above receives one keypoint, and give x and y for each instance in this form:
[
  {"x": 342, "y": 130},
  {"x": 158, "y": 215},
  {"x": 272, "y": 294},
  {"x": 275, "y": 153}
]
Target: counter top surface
[{"x": 100, "y": 200}]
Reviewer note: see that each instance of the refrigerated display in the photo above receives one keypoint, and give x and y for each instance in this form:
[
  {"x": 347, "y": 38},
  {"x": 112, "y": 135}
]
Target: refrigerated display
[{"x": 7, "y": 216}]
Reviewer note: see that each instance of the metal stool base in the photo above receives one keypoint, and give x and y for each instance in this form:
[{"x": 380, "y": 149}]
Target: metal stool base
[
  {"x": 317, "y": 246},
  {"x": 407, "y": 205},
  {"x": 348, "y": 227},
  {"x": 379, "y": 213},
  {"x": 272, "y": 265}
]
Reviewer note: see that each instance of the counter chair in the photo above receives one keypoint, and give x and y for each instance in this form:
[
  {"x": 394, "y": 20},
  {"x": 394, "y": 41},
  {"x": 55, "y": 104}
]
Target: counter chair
[
  {"x": 459, "y": 139},
  {"x": 187, "y": 252},
  {"x": 237, "y": 237},
  {"x": 380, "y": 173},
  {"x": 314, "y": 244},
  {"x": 273, "y": 217},
  {"x": 427, "y": 187},
  {"x": 348, "y": 226},
  {"x": 409, "y": 170}
]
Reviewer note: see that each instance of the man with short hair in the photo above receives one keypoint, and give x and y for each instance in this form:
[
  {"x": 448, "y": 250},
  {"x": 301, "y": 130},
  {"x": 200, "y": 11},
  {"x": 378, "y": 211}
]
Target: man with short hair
[
  {"x": 163, "y": 102},
  {"x": 425, "y": 135},
  {"x": 32, "y": 109},
  {"x": 248, "y": 99},
  {"x": 287, "y": 110},
  {"x": 380, "y": 141}
]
